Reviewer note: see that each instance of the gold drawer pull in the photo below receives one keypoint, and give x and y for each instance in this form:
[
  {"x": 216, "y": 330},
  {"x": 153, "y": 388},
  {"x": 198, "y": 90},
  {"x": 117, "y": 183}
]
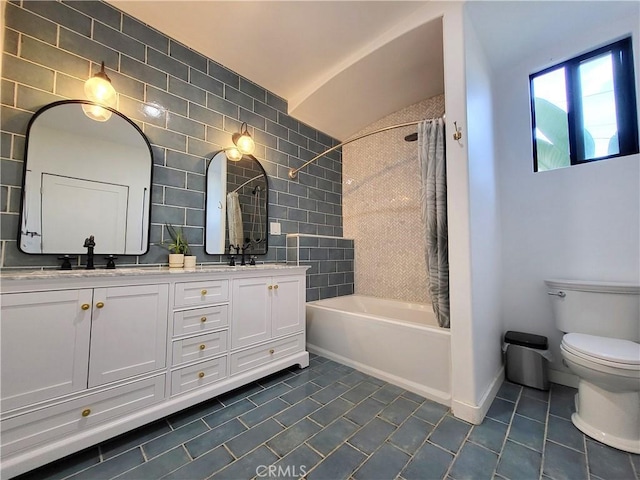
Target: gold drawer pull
[
  {"x": 203, "y": 319},
  {"x": 203, "y": 292},
  {"x": 99, "y": 304},
  {"x": 86, "y": 412},
  {"x": 85, "y": 306},
  {"x": 270, "y": 287},
  {"x": 272, "y": 351},
  {"x": 202, "y": 347},
  {"x": 275, "y": 287},
  {"x": 201, "y": 375}
]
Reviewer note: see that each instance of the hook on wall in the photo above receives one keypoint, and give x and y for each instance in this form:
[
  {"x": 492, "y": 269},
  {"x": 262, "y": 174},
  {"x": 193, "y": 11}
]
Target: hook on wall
[{"x": 457, "y": 135}]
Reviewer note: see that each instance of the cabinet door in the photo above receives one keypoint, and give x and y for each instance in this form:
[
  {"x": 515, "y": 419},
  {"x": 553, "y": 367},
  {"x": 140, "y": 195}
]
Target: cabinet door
[
  {"x": 44, "y": 346},
  {"x": 288, "y": 305},
  {"x": 251, "y": 318},
  {"x": 128, "y": 333}
]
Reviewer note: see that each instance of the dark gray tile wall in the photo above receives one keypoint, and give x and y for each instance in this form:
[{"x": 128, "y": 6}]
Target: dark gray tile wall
[
  {"x": 51, "y": 48},
  {"x": 331, "y": 260}
]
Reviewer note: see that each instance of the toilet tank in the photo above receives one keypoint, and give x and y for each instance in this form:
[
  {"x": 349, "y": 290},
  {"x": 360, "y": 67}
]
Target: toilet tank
[{"x": 606, "y": 309}]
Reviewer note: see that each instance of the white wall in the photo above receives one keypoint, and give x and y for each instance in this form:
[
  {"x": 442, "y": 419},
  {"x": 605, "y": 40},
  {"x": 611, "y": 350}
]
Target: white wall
[{"x": 581, "y": 222}]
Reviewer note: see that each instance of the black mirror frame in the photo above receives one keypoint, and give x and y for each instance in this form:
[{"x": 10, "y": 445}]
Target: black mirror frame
[{"x": 24, "y": 171}]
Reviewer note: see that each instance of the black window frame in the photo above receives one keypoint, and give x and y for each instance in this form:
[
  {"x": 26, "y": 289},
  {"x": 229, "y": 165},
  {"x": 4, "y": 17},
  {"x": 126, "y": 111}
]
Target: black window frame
[{"x": 625, "y": 97}]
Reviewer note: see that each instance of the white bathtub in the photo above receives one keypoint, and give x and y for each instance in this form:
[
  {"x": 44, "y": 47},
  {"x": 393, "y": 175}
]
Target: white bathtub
[{"x": 396, "y": 341}]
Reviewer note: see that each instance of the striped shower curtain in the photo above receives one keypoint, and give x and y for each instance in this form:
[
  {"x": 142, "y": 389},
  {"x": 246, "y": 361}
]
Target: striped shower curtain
[{"x": 431, "y": 155}]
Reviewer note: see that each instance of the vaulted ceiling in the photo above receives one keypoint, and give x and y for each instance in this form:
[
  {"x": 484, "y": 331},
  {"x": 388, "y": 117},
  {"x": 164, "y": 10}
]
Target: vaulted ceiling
[{"x": 340, "y": 65}]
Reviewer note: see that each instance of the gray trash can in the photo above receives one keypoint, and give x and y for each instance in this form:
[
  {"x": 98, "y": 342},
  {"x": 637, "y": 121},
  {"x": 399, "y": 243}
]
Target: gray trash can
[{"x": 525, "y": 359}]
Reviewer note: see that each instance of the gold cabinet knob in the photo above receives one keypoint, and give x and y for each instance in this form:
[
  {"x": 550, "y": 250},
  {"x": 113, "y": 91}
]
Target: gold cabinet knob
[
  {"x": 99, "y": 304},
  {"x": 203, "y": 319},
  {"x": 203, "y": 292},
  {"x": 270, "y": 287},
  {"x": 275, "y": 287},
  {"x": 85, "y": 306},
  {"x": 86, "y": 412},
  {"x": 201, "y": 375},
  {"x": 272, "y": 351},
  {"x": 202, "y": 347}
]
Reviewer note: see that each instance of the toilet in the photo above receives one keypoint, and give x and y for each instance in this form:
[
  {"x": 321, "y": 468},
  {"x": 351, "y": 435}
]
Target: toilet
[{"x": 601, "y": 321}]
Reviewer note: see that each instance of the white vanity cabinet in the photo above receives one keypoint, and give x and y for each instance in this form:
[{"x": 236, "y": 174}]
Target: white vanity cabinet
[{"x": 86, "y": 356}]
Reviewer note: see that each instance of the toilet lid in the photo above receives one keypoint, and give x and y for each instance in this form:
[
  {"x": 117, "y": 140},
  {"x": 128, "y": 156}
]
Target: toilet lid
[{"x": 610, "y": 349}]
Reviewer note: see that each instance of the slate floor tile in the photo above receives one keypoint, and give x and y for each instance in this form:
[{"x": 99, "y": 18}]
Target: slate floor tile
[
  {"x": 214, "y": 438},
  {"x": 561, "y": 463},
  {"x": 331, "y": 411},
  {"x": 501, "y": 410},
  {"x": 429, "y": 462},
  {"x": 330, "y": 437},
  {"x": 329, "y": 393},
  {"x": 542, "y": 395},
  {"x": 490, "y": 434},
  {"x": 565, "y": 433},
  {"x": 172, "y": 439},
  {"x": 518, "y": 462},
  {"x": 372, "y": 435},
  {"x": 450, "y": 433},
  {"x": 386, "y": 462},
  {"x": 398, "y": 411},
  {"x": 227, "y": 413},
  {"x": 431, "y": 411},
  {"x": 364, "y": 411},
  {"x": 297, "y": 463},
  {"x": 411, "y": 434},
  {"x": 112, "y": 467},
  {"x": 300, "y": 392},
  {"x": 607, "y": 462},
  {"x": 290, "y": 438},
  {"x": 250, "y": 439},
  {"x": 509, "y": 391},
  {"x": 339, "y": 465},
  {"x": 532, "y": 408},
  {"x": 562, "y": 401},
  {"x": 159, "y": 466},
  {"x": 387, "y": 394},
  {"x": 203, "y": 466},
  {"x": 248, "y": 466},
  {"x": 269, "y": 393},
  {"x": 136, "y": 437},
  {"x": 264, "y": 411},
  {"x": 194, "y": 413},
  {"x": 474, "y": 463},
  {"x": 294, "y": 413},
  {"x": 239, "y": 394},
  {"x": 360, "y": 392},
  {"x": 527, "y": 432}
]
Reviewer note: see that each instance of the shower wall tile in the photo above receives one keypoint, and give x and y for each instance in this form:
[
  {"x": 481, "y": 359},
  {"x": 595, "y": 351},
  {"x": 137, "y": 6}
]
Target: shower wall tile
[
  {"x": 380, "y": 204},
  {"x": 329, "y": 275},
  {"x": 51, "y": 48}
]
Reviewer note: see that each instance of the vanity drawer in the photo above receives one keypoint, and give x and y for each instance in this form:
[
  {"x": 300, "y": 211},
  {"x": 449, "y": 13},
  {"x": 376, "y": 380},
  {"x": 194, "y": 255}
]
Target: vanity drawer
[
  {"x": 200, "y": 320},
  {"x": 201, "y": 293},
  {"x": 50, "y": 423},
  {"x": 199, "y": 348},
  {"x": 198, "y": 375},
  {"x": 256, "y": 356}
]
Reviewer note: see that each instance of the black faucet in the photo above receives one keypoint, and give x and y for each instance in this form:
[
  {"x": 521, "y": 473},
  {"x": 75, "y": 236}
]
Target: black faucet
[
  {"x": 244, "y": 248},
  {"x": 89, "y": 243}
]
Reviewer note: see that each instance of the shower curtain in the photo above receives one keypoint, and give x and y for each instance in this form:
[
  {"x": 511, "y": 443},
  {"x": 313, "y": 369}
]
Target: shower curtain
[{"x": 431, "y": 156}]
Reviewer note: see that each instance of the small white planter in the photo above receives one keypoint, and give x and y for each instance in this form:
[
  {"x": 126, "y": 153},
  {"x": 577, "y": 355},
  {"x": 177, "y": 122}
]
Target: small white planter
[
  {"x": 190, "y": 262},
  {"x": 176, "y": 260}
]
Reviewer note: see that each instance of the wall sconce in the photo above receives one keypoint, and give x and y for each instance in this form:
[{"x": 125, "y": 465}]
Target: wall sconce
[
  {"x": 243, "y": 140},
  {"x": 244, "y": 144},
  {"x": 98, "y": 89}
]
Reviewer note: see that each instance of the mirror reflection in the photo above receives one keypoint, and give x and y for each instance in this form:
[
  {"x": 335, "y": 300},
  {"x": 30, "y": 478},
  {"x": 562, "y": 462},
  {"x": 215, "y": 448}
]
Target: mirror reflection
[
  {"x": 236, "y": 211},
  {"x": 82, "y": 178}
]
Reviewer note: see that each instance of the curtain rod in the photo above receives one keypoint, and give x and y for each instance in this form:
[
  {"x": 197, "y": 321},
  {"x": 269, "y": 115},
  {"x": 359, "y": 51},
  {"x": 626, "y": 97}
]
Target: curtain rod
[{"x": 293, "y": 173}]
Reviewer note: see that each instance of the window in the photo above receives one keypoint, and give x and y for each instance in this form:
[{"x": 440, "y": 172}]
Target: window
[{"x": 585, "y": 109}]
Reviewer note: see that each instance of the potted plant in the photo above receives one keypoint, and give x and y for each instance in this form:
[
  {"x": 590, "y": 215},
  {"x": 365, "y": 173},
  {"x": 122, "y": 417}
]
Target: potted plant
[{"x": 178, "y": 248}]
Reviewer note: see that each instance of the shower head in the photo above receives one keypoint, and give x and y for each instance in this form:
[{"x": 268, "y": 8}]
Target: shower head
[{"x": 411, "y": 137}]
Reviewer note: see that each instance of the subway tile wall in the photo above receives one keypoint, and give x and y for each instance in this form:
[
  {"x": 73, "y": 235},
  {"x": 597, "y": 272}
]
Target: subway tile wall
[
  {"x": 52, "y": 47},
  {"x": 331, "y": 272}
]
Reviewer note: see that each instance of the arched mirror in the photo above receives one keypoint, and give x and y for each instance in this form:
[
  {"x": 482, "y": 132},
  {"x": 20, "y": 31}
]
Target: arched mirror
[
  {"x": 85, "y": 177},
  {"x": 237, "y": 202}
]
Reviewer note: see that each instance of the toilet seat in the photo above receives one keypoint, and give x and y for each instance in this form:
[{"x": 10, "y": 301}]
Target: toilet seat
[{"x": 614, "y": 352}]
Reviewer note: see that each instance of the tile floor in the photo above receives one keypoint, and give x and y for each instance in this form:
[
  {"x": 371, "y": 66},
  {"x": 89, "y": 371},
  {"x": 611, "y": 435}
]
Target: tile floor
[{"x": 331, "y": 422}]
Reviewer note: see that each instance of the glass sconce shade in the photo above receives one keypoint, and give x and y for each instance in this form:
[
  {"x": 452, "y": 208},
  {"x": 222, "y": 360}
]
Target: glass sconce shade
[
  {"x": 233, "y": 154},
  {"x": 99, "y": 89},
  {"x": 96, "y": 112},
  {"x": 243, "y": 141}
]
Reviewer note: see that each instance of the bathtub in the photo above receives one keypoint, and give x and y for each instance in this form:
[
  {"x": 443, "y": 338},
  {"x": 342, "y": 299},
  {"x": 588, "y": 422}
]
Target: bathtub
[{"x": 396, "y": 341}]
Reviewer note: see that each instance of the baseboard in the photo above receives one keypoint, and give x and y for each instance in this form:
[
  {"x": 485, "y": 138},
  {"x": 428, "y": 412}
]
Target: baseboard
[
  {"x": 438, "y": 396},
  {"x": 475, "y": 413},
  {"x": 563, "y": 378}
]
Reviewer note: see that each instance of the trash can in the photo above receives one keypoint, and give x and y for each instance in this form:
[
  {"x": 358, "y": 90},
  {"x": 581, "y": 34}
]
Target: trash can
[{"x": 526, "y": 359}]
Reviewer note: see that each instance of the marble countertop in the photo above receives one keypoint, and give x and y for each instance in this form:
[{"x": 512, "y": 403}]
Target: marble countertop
[{"x": 40, "y": 274}]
